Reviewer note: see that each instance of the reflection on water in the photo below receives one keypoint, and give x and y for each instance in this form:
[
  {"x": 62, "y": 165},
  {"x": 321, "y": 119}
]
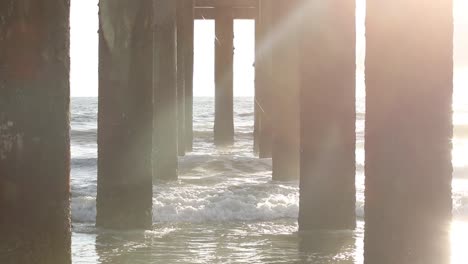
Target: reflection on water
[
  {"x": 267, "y": 242},
  {"x": 326, "y": 247},
  {"x": 275, "y": 242}
]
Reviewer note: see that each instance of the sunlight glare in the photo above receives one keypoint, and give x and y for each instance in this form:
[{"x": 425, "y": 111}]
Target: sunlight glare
[{"x": 459, "y": 240}]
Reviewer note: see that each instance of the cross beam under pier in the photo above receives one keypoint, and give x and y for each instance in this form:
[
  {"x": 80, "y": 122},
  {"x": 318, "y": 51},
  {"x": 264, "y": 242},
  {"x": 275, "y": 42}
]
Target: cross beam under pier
[
  {"x": 226, "y": 3},
  {"x": 235, "y": 13}
]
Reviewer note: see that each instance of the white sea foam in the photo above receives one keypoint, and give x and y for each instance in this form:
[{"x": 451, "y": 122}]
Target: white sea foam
[
  {"x": 219, "y": 185},
  {"x": 221, "y": 203},
  {"x": 225, "y": 207},
  {"x": 83, "y": 209}
]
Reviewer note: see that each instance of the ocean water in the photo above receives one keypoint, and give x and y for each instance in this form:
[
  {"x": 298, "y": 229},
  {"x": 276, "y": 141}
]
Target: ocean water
[{"x": 225, "y": 208}]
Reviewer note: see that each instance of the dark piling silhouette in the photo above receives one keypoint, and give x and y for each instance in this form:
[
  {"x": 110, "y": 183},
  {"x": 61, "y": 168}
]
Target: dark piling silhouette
[{"x": 34, "y": 132}]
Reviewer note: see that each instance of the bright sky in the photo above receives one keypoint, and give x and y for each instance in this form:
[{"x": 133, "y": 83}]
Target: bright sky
[
  {"x": 84, "y": 53},
  {"x": 244, "y": 55},
  {"x": 84, "y": 49}
]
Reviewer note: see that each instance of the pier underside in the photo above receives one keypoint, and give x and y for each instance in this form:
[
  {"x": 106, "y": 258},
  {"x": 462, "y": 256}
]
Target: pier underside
[{"x": 305, "y": 116}]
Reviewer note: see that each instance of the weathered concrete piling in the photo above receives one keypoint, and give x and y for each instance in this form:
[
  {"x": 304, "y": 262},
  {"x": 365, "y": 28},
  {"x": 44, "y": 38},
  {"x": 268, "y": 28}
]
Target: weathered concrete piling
[
  {"x": 124, "y": 195},
  {"x": 285, "y": 94},
  {"x": 256, "y": 131},
  {"x": 34, "y": 132},
  {"x": 165, "y": 90},
  {"x": 224, "y": 60},
  {"x": 188, "y": 20},
  {"x": 409, "y": 79},
  {"x": 257, "y": 93},
  {"x": 263, "y": 74},
  {"x": 328, "y": 116},
  {"x": 181, "y": 76}
]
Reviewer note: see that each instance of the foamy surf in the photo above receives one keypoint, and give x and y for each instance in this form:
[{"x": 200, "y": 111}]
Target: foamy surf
[
  {"x": 257, "y": 199},
  {"x": 220, "y": 185}
]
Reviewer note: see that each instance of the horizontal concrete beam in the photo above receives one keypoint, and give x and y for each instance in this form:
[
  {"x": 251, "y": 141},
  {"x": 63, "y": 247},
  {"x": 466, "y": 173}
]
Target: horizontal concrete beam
[
  {"x": 237, "y": 13},
  {"x": 226, "y": 3}
]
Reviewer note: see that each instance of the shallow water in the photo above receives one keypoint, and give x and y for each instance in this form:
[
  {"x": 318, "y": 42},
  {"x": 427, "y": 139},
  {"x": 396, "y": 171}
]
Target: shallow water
[{"x": 225, "y": 208}]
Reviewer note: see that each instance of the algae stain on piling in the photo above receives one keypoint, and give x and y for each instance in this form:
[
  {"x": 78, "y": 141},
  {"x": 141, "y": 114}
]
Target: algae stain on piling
[{"x": 9, "y": 142}]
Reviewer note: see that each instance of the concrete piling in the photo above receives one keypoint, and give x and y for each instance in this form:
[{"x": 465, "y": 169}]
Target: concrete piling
[
  {"x": 188, "y": 59},
  {"x": 263, "y": 74},
  {"x": 181, "y": 42},
  {"x": 328, "y": 116},
  {"x": 285, "y": 95},
  {"x": 409, "y": 81},
  {"x": 124, "y": 193},
  {"x": 165, "y": 91},
  {"x": 35, "y": 132},
  {"x": 224, "y": 60}
]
